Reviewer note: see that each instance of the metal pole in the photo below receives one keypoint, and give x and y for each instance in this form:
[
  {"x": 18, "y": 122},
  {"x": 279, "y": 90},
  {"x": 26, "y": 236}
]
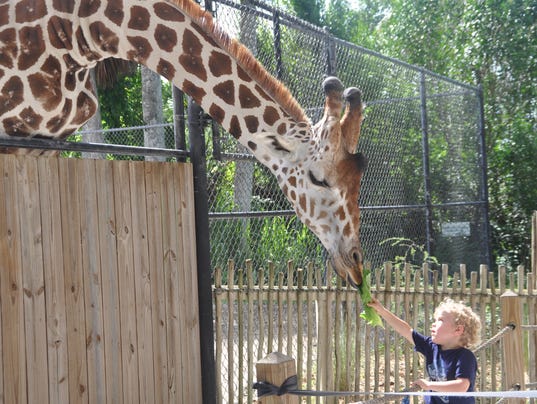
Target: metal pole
[
  {"x": 199, "y": 166},
  {"x": 331, "y": 63},
  {"x": 277, "y": 45},
  {"x": 484, "y": 176},
  {"x": 426, "y": 168},
  {"x": 179, "y": 119}
]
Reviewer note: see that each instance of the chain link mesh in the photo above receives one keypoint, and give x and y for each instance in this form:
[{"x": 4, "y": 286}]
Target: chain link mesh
[{"x": 421, "y": 135}]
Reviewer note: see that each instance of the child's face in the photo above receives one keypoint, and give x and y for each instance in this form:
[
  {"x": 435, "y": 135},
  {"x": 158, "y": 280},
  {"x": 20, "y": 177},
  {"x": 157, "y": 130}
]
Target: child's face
[{"x": 445, "y": 332}]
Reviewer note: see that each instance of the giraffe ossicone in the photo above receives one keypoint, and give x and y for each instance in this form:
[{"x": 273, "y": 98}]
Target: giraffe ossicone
[{"x": 47, "y": 48}]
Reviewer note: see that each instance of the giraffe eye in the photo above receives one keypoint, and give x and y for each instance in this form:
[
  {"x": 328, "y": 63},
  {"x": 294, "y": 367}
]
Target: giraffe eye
[{"x": 317, "y": 182}]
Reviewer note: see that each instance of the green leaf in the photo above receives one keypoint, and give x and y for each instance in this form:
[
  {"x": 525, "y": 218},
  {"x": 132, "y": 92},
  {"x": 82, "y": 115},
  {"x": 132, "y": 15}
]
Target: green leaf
[{"x": 368, "y": 313}]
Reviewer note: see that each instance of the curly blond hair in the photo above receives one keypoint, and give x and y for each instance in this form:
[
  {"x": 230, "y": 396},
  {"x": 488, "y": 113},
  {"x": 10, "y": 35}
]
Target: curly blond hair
[{"x": 465, "y": 316}]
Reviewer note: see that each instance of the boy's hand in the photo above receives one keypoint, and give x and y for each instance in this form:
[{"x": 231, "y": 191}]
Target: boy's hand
[{"x": 375, "y": 304}]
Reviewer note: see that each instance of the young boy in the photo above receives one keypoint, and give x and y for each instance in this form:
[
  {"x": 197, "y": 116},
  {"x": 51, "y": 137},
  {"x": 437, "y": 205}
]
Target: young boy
[{"x": 451, "y": 366}]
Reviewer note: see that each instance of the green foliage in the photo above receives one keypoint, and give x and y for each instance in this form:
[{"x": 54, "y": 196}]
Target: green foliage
[
  {"x": 121, "y": 105},
  {"x": 412, "y": 253}
]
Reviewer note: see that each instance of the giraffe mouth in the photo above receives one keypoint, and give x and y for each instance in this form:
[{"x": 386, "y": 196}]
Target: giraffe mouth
[{"x": 352, "y": 274}]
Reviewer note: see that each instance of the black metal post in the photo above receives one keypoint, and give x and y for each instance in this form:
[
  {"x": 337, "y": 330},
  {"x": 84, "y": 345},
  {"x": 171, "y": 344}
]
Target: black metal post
[
  {"x": 331, "y": 62},
  {"x": 277, "y": 44},
  {"x": 484, "y": 176},
  {"x": 179, "y": 119},
  {"x": 426, "y": 167},
  {"x": 199, "y": 166}
]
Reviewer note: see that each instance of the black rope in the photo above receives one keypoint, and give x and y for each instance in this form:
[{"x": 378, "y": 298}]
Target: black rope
[{"x": 290, "y": 386}]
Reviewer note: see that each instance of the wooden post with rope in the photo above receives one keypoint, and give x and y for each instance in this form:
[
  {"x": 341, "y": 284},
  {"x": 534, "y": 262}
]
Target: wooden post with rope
[
  {"x": 275, "y": 369},
  {"x": 513, "y": 352}
]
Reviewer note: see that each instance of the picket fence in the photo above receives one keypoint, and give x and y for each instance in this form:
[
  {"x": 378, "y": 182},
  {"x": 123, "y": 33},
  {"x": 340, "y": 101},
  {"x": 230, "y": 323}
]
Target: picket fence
[{"x": 312, "y": 317}]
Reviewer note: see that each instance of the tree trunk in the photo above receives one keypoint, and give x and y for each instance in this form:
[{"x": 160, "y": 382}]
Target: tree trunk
[
  {"x": 152, "y": 111},
  {"x": 92, "y": 130}
]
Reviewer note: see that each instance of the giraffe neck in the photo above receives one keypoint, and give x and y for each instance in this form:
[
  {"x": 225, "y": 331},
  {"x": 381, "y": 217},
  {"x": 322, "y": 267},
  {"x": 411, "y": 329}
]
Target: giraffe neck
[{"x": 180, "y": 42}]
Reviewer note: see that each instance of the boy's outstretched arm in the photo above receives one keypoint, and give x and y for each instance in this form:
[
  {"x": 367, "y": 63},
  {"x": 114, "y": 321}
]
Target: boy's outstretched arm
[{"x": 399, "y": 325}]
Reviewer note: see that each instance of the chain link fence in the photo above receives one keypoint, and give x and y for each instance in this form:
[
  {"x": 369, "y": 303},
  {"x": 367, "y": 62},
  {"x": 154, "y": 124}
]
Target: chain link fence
[{"x": 424, "y": 191}]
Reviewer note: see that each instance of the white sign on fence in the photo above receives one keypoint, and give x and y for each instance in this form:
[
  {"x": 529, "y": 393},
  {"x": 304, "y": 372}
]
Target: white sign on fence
[{"x": 456, "y": 229}]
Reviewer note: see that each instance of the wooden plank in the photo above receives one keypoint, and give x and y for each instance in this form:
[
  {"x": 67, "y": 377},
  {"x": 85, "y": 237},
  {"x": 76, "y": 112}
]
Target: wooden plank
[
  {"x": 11, "y": 287},
  {"x": 183, "y": 186},
  {"x": 142, "y": 282},
  {"x": 232, "y": 301},
  {"x": 33, "y": 279},
  {"x": 49, "y": 191},
  {"x": 110, "y": 293},
  {"x": 91, "y": 270},
  {"x": 153, "y": 175},
  {"x": 127, "y": 302},
  {"x": 74, "y": 283},
  {"x": 219, "y": 300},
  {"x": 174, "y": 299}
]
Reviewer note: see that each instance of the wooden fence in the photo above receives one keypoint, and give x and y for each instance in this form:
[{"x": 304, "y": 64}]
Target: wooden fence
[
  {"x": 296, "y": 312},
  {"x": 98, "y": 286}
]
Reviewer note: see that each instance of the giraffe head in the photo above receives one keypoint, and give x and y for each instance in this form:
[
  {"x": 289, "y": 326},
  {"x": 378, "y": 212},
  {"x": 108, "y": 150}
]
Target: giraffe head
[{"x": 320, "y": 174}]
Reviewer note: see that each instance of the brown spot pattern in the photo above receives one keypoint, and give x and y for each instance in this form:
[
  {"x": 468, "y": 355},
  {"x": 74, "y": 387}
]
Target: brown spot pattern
[
  {"x": 166, "y": 69},
  {"x": 235, "y": 127},
  {"x": 88, "y": 7},
  {"x": 83, "y": 46},
  {"x": 166, "y": 37},
  {"x": 139, "y": 18},
  {"x": 8, "y": 52},
  {"x": 32, "y": 46},
  {"x": 46, "y": 89},
  {"x": 64, "y": 6},
  {"x": 29, "y": 10},
  {"x": 219, "y": 64},
  {"x": 191, "y": 57},
  {"x": 141, "y": 49},
  {"x": 60, "y": 32},
  {"x": 262, "y": 93},
  {"x": 15, "y": 126},
  {"x": 56, "y": 123},
  {"x": 85, "y": 108},
  {"x": 252, "y": 145},
  {"x": 243, "y": 75},
  {"x": 194, "y": 91},
  {"x": 11, "y": 95},
  {"x": 247, "y": 99},
  {"x": 30, "y": 118},
  {"x": 105, "y": 38},
  {"x": 4, "y": 16},
  {"x": 252, "y": 123},
  {"x": 217, "y": 113},
  {"x": 168, "y": 13},
  {"x": 226, "y": 91},
  {"x": 114, "y": 11},
  {"x": 270, "y": 115}
]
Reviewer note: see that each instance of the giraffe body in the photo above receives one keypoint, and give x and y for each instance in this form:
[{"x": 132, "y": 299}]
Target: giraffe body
[{"x": 48, "y": 46}]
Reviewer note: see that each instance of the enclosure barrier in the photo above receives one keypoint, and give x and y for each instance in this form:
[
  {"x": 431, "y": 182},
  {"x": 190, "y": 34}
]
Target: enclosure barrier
[{"x": 279, "y": 382}]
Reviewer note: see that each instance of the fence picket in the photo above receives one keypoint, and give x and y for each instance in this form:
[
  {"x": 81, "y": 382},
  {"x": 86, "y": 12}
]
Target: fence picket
[{"x": 319, "y": 321}]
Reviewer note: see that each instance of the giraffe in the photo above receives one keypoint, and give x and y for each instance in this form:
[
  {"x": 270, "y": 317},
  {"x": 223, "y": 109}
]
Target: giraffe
[{"x": 48, "y": 46}]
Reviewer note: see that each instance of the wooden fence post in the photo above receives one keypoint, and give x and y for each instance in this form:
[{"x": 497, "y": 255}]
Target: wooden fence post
[
  {"x": 275, "y": 369},
  {"x": 534, "y": 243},
  {"x": 512, "y": 343}
]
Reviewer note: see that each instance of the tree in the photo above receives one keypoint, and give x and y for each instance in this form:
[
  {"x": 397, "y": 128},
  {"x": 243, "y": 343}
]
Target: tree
[{"x": 487, "y": 42}]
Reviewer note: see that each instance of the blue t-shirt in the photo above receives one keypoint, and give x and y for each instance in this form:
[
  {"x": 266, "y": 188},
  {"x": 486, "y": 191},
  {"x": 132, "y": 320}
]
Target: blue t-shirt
[{"x": 449, "y": 364}]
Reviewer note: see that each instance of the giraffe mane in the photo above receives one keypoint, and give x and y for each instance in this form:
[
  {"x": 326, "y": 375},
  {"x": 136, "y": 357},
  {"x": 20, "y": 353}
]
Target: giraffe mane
[{"x": 273, "y": 87}]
